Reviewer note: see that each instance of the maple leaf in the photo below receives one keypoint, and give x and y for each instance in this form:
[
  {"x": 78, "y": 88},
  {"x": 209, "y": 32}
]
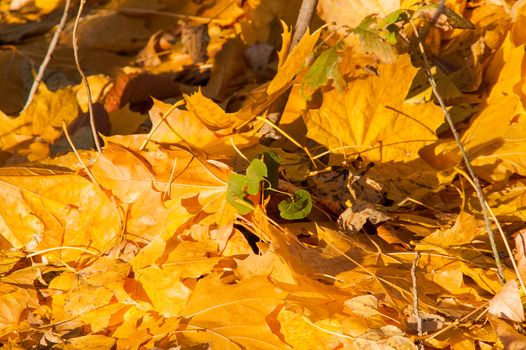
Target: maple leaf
[
  {"x": 291, "y": 63},
  {"x": 232, "y": 316},
  {"x": 204, "y": 125},
  {"x": 42, "y": 211},
  {"x": 372, "y": 119}
]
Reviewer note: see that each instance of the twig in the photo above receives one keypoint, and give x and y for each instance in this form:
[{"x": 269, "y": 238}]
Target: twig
[
  {"x": 72, "y": 145},
  {"x": 502, "y": 235},
  {"x": 84, "y": 79},
  {"x": 465, "y": 157},
  {"x": 40, "y": 252},
  {"x": 303, "y": 21},
  {"x": 440, "y": 10},
  {"x": 458, "y": 321},
  {"x": 47, "y": 58},
  {"x": 268, "y": 133},
  {"x": 415, "y": 299},
  {"x": 156, "y": 126}
]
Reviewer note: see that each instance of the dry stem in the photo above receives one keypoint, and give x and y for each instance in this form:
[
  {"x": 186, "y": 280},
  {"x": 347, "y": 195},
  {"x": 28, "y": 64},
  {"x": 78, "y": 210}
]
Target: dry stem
[
  {"x": 47, "y": 58},
  {"x": 277, "y": 108},
  {"x": 467, "y": 162},
  {"x": 84, "y": 78}
]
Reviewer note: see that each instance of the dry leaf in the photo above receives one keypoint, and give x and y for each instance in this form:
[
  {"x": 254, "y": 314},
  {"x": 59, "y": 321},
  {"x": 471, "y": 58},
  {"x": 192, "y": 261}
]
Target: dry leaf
[
  {"x": 507, "y": 303},
  {"x": 372, "y": 119},
  {"x": 225, "y": 315}
]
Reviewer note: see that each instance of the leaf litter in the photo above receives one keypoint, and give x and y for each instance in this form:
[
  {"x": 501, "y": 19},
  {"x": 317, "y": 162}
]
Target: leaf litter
[{"x": 356, "y": 230}]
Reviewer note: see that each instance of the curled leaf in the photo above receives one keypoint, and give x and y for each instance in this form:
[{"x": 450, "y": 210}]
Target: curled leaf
[{"x": 297, "y": 207}]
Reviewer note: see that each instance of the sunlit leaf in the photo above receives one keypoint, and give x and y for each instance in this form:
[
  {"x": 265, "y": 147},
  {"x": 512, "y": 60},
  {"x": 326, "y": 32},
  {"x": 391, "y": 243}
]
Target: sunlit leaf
[
  {"x": 256, "y": 172},
  {"x": 507, "y": 303},
  {"x": 236, "y": 193}
]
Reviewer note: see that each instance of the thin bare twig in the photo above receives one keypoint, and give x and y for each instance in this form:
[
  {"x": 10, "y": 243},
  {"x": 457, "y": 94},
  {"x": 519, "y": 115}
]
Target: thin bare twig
[
  {"x": 416, "y": 312},
  {"x": 84, "y": 78},
  {"x": 467, "y": 162},
  {"x": 440, "y": 10},
  {"x": 48, "y": 57},
  {"x": 303, "y": 21},
  {"x": 502, "y": 235},
  {"x": 268, "y": 133},
  {"x": 158, "y": 124},
  {"x": 72, "y": 145}
]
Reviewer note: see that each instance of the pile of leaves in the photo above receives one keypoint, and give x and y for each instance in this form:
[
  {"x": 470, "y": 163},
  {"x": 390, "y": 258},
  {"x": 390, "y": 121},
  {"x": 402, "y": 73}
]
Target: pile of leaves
[{"x": 360, "y": 228}]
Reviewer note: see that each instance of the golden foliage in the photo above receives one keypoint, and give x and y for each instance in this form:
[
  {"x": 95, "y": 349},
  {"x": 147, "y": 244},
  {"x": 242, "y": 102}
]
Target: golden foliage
[{"x": 140, "y": 246}]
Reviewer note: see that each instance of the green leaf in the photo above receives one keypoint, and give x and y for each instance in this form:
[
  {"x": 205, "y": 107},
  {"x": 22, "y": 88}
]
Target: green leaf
[
  {"x": 372, "y": 42},
  {"x": 394, "y": 17},
  {"x": 391, "y": 23},
  {"x": 272, "y": 161},
  {"x": 324, "y": 68},
  {"x": 256, "y": 172},
  {"x": 236, "y": 193},
  {"x": 296, "y": 208}
]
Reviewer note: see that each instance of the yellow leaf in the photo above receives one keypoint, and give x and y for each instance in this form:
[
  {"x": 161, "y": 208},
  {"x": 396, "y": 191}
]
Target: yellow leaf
[
  {"x": 91, "y": 341},
  {"x": 51, "y": 211},
  {"x": 520, "y": 252},
  {"x": 124, "y": 121},
  {"x": 371, "y": 117},
  {"x": 463, "y": 231},
  {"x": 495, "y": 141},
  {"x": 43, "y": 118},
  {"x": 518, "y": 29},
  {"x": 225, "y": 315},
  {"x": 210, "y": 113},
  {"x": 98, "y": 293},
  {"x": 48, "y": 6},
  {"x": 163, "y": 189},
  {"x": 290, "y": 64},
  {"x": 48, "y": 110},
  {"x": 300, "y": 334},
  {"x": 165, "y": 289},
  {"x": 14, "y": 301},
  {"x": 98, "y": 84},
  {"x": 350, "y": 13},
  {"x": 510, "y": 338},
  {"x": 199, "y": 127}
]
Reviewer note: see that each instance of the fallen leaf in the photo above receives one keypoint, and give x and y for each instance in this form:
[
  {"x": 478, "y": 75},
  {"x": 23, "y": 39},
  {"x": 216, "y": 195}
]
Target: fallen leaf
[
  {"x": 507, "y": 303},
  {"x": 464, "y": 231},
  {"x": 510, "y": 338},
  {"x": 372, "y": 119},
  {"x": 293, "y": 62},
  {"x": 62, "y": 211},
  {"x": 227, "y": 315}
]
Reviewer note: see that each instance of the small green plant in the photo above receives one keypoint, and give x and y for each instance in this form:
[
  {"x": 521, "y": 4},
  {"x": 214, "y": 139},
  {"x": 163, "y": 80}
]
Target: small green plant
[{"x": 261, "y": 178}]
